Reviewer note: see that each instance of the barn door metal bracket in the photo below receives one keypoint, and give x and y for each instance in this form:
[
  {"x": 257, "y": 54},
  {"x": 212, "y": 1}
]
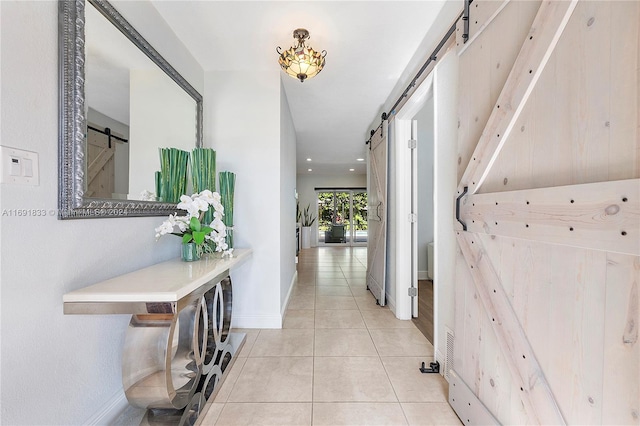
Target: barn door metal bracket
[
  {"x": 434, "y": 367},
  {"x": 464, "y": 192},
  {"x": 465, "y": 21}
]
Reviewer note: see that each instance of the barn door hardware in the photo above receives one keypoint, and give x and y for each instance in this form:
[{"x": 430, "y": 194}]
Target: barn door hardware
[
  {"x": 107, "y": 131},
  {"x": 464, "y": 192},
  {"x": 465, "y": 20},
  {"x": 434, "y": 367}
]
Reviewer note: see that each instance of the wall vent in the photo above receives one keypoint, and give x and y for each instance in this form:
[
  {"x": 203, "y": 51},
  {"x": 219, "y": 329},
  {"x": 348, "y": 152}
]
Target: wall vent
[{"x": 448, "y": 359}]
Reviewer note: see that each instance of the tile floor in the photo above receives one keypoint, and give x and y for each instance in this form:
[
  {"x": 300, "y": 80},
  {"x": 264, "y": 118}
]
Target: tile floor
[{"x": 340, "y": 359}]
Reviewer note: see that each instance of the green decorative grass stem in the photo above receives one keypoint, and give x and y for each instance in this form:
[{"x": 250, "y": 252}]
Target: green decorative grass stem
[
  {"x": 159, "y": 186},
  {"x": 227, "y": 188},
  {"x": 203, "y": 174},
  {"x": 173, "y": 170}
]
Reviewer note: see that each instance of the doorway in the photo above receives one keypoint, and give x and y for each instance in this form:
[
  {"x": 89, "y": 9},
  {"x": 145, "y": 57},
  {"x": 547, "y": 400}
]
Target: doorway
[{"x": 342, "y": 217}]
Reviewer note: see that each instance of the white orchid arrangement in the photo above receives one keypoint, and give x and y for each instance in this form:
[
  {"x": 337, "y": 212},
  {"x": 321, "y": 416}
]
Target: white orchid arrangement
[{"x": 207, "y": 238}]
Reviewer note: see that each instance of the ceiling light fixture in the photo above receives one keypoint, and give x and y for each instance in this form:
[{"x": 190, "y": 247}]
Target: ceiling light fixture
[
  {"x": 301, "y": 61},
  {"x": 351, "y": 170},
  {"x": 310, "y": 170},
  {"x": 359, "y": 159},
  {"x": 308, "y": 159}
]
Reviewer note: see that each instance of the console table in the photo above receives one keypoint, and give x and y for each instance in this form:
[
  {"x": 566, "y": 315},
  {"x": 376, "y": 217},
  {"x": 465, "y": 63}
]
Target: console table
[{"x": 179, "y": 343}]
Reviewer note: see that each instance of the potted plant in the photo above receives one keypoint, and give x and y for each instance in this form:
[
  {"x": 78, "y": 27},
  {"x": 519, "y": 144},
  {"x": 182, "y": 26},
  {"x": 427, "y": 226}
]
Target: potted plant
[
  {"x": 196, "y": 237},
  {"x": 307, "y": 220}
]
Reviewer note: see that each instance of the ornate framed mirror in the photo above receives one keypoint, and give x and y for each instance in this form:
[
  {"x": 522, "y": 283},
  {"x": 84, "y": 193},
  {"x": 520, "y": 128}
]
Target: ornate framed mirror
[{"x": 120, "y": 101}]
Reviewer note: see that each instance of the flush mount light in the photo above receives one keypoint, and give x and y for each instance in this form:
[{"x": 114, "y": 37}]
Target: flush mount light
[
  {"x": 308, "y": 159},
  {"x": 309, "y": 170},
  {"x": 359, "y": 159},
  {"x": 351, "y": 170},
  {"x": 301, "y": 61}
]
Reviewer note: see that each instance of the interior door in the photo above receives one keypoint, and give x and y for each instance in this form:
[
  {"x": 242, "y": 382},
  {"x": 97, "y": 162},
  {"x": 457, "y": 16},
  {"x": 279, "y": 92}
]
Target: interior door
[
  {"x": 548, "y": 261},
  {"x": 100, "y": 165},
  {"x": 377, "y": 214}
]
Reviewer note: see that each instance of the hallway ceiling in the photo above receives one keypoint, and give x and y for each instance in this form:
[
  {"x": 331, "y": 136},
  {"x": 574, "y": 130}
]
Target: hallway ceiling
[{"x": 369, "y": 44}]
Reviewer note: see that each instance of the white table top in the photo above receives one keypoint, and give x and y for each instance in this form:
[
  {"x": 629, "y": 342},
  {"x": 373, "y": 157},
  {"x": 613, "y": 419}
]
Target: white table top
[{"x": 164, "y": 282}]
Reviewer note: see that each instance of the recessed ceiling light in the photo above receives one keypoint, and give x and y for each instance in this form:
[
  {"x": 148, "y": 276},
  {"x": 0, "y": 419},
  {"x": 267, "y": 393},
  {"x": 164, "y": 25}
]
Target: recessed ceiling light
[
  {"x": 308, "y": 159},
  {"x": 310, "y": 170},
  {"x": 359, "y": 159},
  {"x": 351, "y": 170}
]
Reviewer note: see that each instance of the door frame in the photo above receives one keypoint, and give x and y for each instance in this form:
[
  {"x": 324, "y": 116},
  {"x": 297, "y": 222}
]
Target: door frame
[{"x": 406, "y": 269}]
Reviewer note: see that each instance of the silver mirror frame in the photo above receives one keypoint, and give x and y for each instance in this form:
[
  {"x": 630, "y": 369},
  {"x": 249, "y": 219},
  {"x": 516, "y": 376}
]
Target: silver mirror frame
[{"x": 72, "y": 204}]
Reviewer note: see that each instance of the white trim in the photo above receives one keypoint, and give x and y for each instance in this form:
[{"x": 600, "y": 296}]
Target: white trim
[
  {"x": 110, "y": 411},
  {"x": 440, "y": 359},
  {"x": 256, "y": 321},
  {"x": 294, "y": 281},
  {"x": 403, "y": 267}
]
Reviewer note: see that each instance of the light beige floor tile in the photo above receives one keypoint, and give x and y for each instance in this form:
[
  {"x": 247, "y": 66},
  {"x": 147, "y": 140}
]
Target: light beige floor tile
[
  {"x": 339, "y": 319},
  {"x": 303, "y": 290},
  {"x": 367, "y": 302},
  {"x": 410, "y": 384},
  {"x": 427, "y": 414},
  {"x": 299, "y": 318},
  {"x": 274, "y": 379},
  {"x": 384, "y": 318},
  {"x": 301, "y": 302},
  {"x": 250, "y": 339},
  {"x": 330, "y": 275},
  {"x": 211, "y": 413},
  {"x": 335, "y": 302},
  {"x": 306, "y": 281},
  {"x": 357, "y": 413},
  {"x": 400, "y": 342},
  {"x": 327, "y": 268},
  {"x": 288, "y": 342},
  {"x": 354, "y": 274},
  {"x": 272, "y": 414},
  {"x": 357, "y": 282},
  {"x": 230, "y": 381},
  {"x": 360, "y": 291},
  {"x": 331, "y": 281},
  {"x": 351, "y": 379},
  {"x": 344, "y": 342},
  {"x": 355, "y": 265},
  {"x": 330, "y": 290}
]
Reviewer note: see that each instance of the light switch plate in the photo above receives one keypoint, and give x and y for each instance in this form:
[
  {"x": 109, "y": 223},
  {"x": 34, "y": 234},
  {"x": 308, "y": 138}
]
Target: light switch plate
[{"x": 19, "y": 167}]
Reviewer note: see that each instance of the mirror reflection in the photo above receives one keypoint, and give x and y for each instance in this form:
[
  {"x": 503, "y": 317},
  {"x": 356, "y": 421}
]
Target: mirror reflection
[{"x": 132, "y": 109}]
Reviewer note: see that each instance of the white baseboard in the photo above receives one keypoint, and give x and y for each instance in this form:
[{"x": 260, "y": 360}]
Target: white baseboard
[
  {"x": 391, "y": 303},
  {"x": 110, "y": 411},
  {"x": 294, "y": 280},
  {"x": 440, "y": 359},
  {"x": 423, "y": 275}
]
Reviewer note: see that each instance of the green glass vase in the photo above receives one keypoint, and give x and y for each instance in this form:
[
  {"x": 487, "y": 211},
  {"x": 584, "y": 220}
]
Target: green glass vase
[{"x": 190, "y": 252}]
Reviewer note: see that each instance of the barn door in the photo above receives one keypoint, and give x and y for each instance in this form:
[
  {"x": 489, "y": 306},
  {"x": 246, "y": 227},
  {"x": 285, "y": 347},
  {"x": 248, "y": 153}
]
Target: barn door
[
  {"x": 548, "y": 266},
  {"x": 100, "y": 165},
  {"x": 377, "y": 214}
]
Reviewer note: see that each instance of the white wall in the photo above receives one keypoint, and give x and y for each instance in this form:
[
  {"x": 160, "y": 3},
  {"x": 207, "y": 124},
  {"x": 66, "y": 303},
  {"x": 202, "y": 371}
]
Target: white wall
[
  {"x": 287, "y": 199},
  {"x": 242, "y": 123},
  {"x": 308, "y": 181},
  {"x": 162, "y": 116},
  {"x": 425, "y": 183},
  {"x": 59, "y": 369},
  {"x": 445, "y": 99}
]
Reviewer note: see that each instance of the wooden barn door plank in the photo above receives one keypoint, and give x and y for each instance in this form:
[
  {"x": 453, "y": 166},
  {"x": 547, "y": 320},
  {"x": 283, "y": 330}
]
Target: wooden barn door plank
[
  {"x": 621, "y": 387},
  {"x": 599, "y": 216},
  {"x": 547, "y": 27},
  {"x": 535, "y": 392}
]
